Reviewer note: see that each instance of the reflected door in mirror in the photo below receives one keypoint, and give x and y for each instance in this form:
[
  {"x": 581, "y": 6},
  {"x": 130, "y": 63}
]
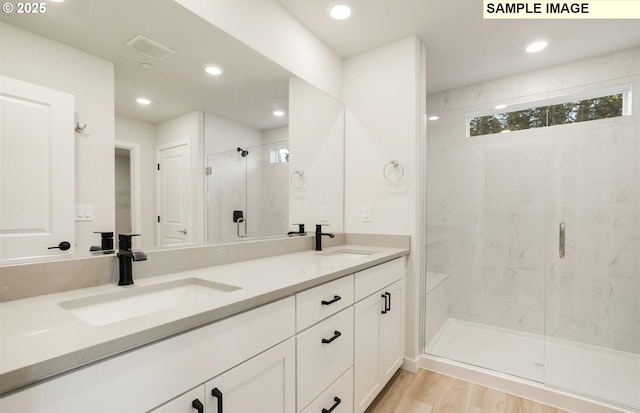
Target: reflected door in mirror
[
  {"x": 174, "y": 207},
  {"x": 36, "y": 189}
]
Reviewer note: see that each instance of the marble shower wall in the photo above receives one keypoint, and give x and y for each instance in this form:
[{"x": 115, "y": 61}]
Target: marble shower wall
[{"x": 494, "y": 203}]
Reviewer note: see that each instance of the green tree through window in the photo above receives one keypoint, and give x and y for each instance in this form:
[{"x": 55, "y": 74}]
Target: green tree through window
[{"x": 551, "y": 115}]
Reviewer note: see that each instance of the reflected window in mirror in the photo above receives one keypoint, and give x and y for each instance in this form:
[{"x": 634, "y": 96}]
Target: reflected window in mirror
[{"x": 279, "y": 153}]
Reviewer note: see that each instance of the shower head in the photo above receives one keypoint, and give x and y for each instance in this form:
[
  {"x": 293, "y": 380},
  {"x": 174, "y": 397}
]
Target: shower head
[{"x": 243, "y": 152}]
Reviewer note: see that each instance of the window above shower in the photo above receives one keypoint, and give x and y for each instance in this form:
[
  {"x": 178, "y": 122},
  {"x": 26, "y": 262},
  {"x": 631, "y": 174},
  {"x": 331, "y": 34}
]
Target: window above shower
[
  {"x": 279, "y": 153},
  {"x": 587, "y": 106}
]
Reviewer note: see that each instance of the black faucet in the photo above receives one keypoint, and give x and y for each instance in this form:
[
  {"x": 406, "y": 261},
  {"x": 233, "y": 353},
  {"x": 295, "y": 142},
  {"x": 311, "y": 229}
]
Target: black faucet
[
  {"x": 319, "y": 235},
  {"x": 126, "y": 257},
  {"x": 300, "y": 231},
  {"x": 106, "y": 243}
]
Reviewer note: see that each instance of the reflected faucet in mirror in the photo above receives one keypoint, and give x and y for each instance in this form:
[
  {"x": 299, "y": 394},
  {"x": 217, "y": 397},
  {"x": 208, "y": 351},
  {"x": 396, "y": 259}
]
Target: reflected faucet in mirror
[
  {"x": 301, "y": 232},
  {"x": 106, "y": 243},
  {"x": 126, "y": 257}
]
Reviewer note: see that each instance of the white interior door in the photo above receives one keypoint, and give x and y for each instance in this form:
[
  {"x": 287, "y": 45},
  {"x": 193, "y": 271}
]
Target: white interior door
[
  {"x": 174, "y": 180},
  {"x": 37, "y": 182}
]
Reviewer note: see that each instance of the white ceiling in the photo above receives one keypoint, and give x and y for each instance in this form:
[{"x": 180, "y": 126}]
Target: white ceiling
[
  {"x": 248, "y": 91},
  {"x": 462, "y": 47}
]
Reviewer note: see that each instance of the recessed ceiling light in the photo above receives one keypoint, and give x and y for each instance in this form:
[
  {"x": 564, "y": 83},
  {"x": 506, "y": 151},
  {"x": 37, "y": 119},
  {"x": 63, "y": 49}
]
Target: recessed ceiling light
[
  {"x": 434, "y": 117},
  {"x": 536, "y": 46},
  {"x": 143, "y": 101},
  {"x": 213, "y": 70},
  {"x": 278, "y": 113},
  {"x": 500, "y": 107},
  {"x": 340, "y": 10}
]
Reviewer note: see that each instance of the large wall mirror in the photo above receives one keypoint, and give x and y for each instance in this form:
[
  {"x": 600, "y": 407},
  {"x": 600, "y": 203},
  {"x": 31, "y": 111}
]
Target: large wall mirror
[{"x": 211, "y": 157}]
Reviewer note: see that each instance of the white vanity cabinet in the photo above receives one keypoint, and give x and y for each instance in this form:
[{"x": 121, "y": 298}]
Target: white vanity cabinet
[
  {"x": 379, "y": 332},
  {"x": 324, "y": 350},
  {"x": 235, "y": 350},
  {"x": 264, "y": 383}
]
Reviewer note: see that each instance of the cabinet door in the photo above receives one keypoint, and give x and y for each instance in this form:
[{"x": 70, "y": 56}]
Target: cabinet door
[
  {"x": 265, "y": 383},
  {"x": 367, "y": 349},
  {"x": 187, "y": 403},
  {"x": 391, "y": 331}
]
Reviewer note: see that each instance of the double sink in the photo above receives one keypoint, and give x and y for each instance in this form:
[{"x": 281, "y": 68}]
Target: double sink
[{"x": 135, "y": 301}]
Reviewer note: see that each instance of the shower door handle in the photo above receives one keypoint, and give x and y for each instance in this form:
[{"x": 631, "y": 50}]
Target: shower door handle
[{"x": 562, "y": 240}]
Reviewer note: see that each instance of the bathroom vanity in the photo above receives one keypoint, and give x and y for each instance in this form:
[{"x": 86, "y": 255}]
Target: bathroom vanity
[{"x": 303, "y": 332}]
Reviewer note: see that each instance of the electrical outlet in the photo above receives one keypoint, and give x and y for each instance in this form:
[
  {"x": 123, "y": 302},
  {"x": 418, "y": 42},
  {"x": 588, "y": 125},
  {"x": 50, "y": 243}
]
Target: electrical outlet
[
  {"x": 323, "y": 214},
  {"x": 366, "y": 213}
]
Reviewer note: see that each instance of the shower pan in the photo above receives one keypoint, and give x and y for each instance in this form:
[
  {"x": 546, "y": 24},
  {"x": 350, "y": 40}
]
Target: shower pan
[{"x": 533, "y": 253}]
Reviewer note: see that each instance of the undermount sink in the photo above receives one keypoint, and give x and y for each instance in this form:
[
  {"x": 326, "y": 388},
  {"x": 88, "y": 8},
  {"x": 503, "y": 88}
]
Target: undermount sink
[
  {"x": 347, "y": 253},
  {"x": 135, "y": 301}
]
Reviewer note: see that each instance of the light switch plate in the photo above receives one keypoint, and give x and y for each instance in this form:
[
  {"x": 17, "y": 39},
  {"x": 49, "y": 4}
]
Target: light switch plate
[
  {"x": 323, "y": 214},
  {"x": 84, "y": 213},
  {"x": 366, "y": 213}
]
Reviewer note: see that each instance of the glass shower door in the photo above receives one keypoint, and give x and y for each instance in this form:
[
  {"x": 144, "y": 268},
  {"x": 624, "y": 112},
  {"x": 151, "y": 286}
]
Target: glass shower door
[
  {"x": 592, "y": 311},
  {"x": 226, "y": 192},
  {"x": 485, "y": 246}
]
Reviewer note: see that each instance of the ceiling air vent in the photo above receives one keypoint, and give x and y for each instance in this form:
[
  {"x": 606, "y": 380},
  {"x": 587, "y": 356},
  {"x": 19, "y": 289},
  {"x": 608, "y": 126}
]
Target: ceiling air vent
[{"x": 150, "y": 48}]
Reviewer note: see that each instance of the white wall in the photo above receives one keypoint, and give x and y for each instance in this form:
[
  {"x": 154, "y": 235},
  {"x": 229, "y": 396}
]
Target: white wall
[
  {"x": 382, "y": 95},
  {"x": 189, "y": 127},
  {"x": 316, "y": 143},
  {"x": 143, "y": 134},
  {"x": 269, "y": 29},
  {"x": 35, "y": 59}
]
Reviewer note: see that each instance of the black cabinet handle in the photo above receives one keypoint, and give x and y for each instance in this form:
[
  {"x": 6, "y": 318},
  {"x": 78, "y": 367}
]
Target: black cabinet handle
[
  {"x": 384, "y": 308},
  {"x": 64, "y": 245},
  {"x": 197, "y": 404},
  {"x": 218, "y": 395},
  {"x": 337, "y": 402},
  {"x": 335, "y": 298},
  {"x": 336, "y": 334},
  {"x": 388, "y": 301}
]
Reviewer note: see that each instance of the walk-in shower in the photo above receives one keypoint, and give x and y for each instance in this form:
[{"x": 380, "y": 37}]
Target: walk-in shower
[{"x": 533, "y": 232}]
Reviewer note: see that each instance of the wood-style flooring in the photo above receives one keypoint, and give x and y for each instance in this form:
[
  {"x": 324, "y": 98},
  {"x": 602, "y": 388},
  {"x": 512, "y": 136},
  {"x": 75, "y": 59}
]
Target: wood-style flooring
[{"x": 429, "y": 392}]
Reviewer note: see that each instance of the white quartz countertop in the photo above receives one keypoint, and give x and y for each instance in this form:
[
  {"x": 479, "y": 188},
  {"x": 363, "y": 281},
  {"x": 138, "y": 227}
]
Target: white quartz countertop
[{"x": 39, "y": 338}]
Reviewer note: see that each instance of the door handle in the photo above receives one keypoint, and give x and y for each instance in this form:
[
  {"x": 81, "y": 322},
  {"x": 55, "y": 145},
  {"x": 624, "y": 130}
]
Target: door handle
[
  {"x": 384, "y": 308},
  {"x": 388, "y": 301},
  {"x": 336, "y": 334},
  {"x": 335, "y": 298},
  {"x": 561, "y": 246},
  {"x": 218, "y": 395},
  {"x": 64, "y": 245},
  {"x": 183, "y": 231},
  {"x": 337, "y": 401},
  {"x": 197, "y": 404}
]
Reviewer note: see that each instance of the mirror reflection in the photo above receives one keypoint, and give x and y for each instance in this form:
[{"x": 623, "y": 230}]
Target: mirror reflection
[{"x": 203, "y": 158}]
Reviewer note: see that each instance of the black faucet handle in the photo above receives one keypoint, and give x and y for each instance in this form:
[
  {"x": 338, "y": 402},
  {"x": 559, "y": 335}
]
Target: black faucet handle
[
  {"x": 124, "y": 241},
  {"x": 300, "y": 227}
]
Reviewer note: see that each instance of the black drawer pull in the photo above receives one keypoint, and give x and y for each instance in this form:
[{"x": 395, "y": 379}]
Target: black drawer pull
[
  {"x": 384, "y": 309},
  {"x": 197, "y": 404},
  {"x": 337, "y": 402},
  {"x": 218, "y": 395},
  {"x": 336, "y": 334},
  {"x": 335, "y": 298}
]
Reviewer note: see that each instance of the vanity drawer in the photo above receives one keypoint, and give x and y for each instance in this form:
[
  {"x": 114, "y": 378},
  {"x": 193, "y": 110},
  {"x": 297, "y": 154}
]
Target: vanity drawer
[
  {"x": 322, "y": 301},
  {"x": 372, "y": 279},
  {"x": 342, "y": 389},
  {"x": 324, "y": 352}
]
